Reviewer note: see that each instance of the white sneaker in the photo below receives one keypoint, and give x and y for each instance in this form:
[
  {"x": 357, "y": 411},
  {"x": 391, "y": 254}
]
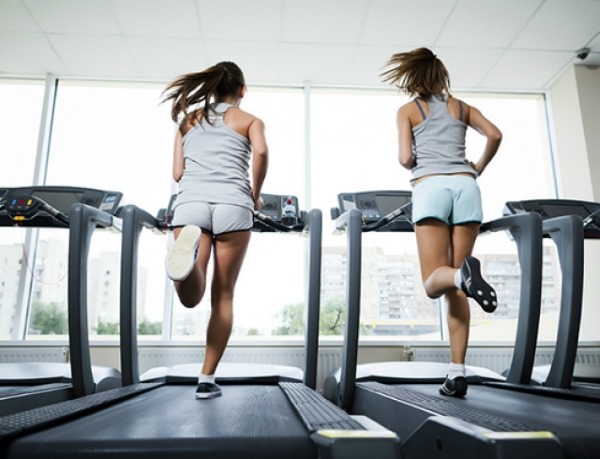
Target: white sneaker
[{"x": 182, "y": 254}]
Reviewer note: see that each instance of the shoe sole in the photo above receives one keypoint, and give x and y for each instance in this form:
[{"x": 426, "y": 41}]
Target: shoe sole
[
  {"x": 445, "y": 391},
  {"x": 476, "y": 287},
  {"x": 207, "y": 396},
  {"x": 182, "y": 255}
]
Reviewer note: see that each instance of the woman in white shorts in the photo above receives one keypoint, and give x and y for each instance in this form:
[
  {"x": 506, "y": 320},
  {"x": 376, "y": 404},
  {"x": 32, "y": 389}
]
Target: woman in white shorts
[
  {"x": 446, "y": 198},
  {"x": 216, "y": 145}
]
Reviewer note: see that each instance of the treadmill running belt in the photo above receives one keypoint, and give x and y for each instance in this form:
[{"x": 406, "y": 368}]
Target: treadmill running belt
[
  {"x": 250, "y": 422},
  {"x": 576, "y": 392},
  {"x": 449, "y": 408}
]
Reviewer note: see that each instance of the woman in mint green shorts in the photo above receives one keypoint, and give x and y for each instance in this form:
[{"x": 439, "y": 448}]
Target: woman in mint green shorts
[{"x": 446, "y": 199}]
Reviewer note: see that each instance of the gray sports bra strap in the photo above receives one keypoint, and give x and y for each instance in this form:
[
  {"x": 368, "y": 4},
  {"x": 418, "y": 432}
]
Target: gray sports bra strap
[{"x": 420, "y": 109}]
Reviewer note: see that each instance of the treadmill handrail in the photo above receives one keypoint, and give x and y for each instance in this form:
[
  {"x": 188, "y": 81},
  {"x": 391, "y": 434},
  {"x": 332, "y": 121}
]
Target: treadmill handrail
[
  {"x": 134, "y": 220},
  {"x": 389, "y": 218},
  {"x": 341, "y": 221},
  {"x": 526, "y": 230},
  {"x": 83, "y": 219},
  {"x": 54, "y": 212},
  {"x": 314, "y": 225},
  {"x": 273, "y": 224},
  {"x": 352, "y": 221},
  {"x": 567, "y": 232},
  {"x": 594, "y": 218}
]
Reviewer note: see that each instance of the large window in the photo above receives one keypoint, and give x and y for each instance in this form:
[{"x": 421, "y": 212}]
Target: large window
[
  {"x": 118, "y": 136},
  {"x": 20, "y": 114},
  {"x": 112, "y": 137},
  {"x": 354, "y": 148}
]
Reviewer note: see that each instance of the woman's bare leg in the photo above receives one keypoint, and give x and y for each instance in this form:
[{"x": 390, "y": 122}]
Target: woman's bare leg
[
  {"x": 459, "y": 312},
  {"x": 229, "y": 252},
  {"x": 434, "y": 246},
  {"x": 441, "y": 251}
]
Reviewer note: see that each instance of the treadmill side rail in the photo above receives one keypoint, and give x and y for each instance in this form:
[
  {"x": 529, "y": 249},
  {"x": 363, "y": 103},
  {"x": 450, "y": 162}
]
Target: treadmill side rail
[
  {"x": 357, "y": 444},
  {"x": 448, "y": 437}
]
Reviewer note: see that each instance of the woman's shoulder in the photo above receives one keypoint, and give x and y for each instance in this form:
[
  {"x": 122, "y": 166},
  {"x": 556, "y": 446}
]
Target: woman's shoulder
[
  {"x": 243, "y": 113},
  {"x": 244, "y": 116},
  {"x": 410, "y": 107},
  {"x": 459, "y": 108},
  {"x": 415, "y": 111},
  {"x": 452, "y": 100},
  {"x": 241, "y": 121}
]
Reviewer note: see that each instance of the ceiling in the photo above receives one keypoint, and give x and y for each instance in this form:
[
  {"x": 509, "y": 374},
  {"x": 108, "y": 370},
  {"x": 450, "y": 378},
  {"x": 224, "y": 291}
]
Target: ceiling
[{"x": 522, "y": 45}]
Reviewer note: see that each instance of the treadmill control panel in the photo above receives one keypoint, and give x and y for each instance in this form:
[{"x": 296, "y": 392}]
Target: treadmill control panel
[
  {"x": 282, "y": 209},
  {"x": 38, "y": 205},
  {"x": 550, "y": 208},
  {"x": 375, "y": 205}
]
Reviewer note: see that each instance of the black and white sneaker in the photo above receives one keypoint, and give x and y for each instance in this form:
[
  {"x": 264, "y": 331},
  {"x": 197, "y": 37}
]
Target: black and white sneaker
[
  {"x": 208, "y": 390},
  {"x": 456, "y": 387},
  {"x": 182, "y": 254},
  {"x": 475, "y": 286}
]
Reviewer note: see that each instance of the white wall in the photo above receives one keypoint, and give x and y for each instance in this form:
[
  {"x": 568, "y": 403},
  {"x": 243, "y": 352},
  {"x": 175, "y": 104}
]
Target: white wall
[
  {"x": 588, "y": 82},
  {"x": 575, "y": 109}
]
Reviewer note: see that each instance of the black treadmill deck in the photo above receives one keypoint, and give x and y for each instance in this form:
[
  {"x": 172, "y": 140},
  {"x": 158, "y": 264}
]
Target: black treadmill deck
[
  {"x": 574, "y": 423},
  {"x": 247, "y": 421}
]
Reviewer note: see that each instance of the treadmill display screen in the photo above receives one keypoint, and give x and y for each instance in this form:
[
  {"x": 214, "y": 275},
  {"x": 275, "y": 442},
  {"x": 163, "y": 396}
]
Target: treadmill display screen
[
  {"x": 387, "y": 203},
  {"x": 558, "y": 210},
  {"x": 59, "y": 200},
  {"x": 348, "y": 202}
]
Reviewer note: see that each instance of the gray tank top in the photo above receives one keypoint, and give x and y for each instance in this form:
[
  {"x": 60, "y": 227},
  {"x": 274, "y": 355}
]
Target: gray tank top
[
  {"x": 439, "y": 143},
  {"x": 216, "y": 160}
]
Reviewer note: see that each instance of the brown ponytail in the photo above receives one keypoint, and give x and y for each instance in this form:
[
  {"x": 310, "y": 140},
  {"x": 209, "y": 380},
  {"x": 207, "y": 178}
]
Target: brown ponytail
[
  {"x": 215, "y": 83},
  {"x": 418, "y": 72}
]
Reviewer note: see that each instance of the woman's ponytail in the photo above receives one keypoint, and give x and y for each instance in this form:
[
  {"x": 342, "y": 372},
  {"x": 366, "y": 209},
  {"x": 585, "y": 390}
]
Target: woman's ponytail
[
  {"x": 418, "y": 72},
  {"x": 217, "y": 82}
]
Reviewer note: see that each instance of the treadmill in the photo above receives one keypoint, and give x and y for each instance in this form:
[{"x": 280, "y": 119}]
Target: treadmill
[
  {"x": 272, "y": 218},
  {"x": 563, "y": 377},
  {"x": 496, "y": 419},
  {"x": 262, "y": 415},
  {"x": 28, "y": 385}
]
